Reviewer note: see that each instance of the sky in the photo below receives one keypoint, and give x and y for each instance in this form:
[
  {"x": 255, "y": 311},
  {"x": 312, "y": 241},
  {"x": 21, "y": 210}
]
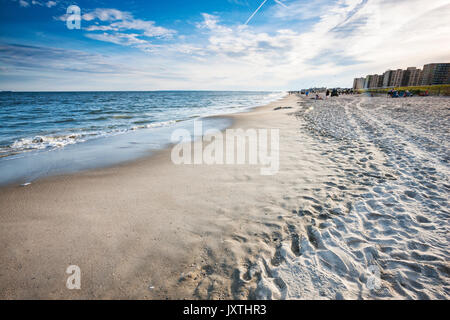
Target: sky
[{"x": 215, "y": 44}]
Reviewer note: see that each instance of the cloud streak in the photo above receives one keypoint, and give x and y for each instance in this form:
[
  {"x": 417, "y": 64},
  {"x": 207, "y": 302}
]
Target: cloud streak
[
  {"x": 260, "y": 6},
  {"x": 122, "y": 28}
]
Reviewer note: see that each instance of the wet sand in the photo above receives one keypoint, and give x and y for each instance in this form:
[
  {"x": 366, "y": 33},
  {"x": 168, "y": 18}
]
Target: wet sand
[{"x": 363, "y": 183}]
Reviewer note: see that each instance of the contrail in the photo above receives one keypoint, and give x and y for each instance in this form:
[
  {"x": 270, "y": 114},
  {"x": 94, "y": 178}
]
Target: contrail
[
  {"x": 277, "y": 1},
  {"x": 248, "y": 20},
  {"x": 281, "y": 3}
]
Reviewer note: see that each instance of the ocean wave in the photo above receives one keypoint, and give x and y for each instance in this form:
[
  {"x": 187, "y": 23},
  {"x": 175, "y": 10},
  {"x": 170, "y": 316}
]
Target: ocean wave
[
  {"x": 142, "y": 121},
  {"x": 92, "y": 118},
  {"x": 122, "y": 117},
  {"x": 40, "y": 143},
  {"x": 51, "y": 142},
  {"x": 156, "y": 124},
  {"x": 65, "y": 120}
]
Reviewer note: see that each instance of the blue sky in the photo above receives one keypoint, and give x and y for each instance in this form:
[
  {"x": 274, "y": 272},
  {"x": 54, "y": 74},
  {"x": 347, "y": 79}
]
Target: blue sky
[{"x": 206, "y": 45}]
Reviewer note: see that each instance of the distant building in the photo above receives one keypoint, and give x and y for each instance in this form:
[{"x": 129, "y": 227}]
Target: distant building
[
  {"x": 432, "y": 74},
  {"x": 367, "y": 81},
  {"x": 413, "y": 77},
  {"x": 374, "y": 81},
  {"x": 387, "y": 78},
  {"x": 358, "y": 83},
  {"x": 380, "y": 81},
  {"x": 397, "y": 78},
  {"x": 436, "y": 73}
]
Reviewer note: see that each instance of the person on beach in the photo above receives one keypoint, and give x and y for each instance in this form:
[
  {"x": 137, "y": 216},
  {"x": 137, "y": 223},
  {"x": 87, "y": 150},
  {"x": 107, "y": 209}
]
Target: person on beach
[
  {"x": 327, "y": 93},
  {"x": 334, "y": 93}
]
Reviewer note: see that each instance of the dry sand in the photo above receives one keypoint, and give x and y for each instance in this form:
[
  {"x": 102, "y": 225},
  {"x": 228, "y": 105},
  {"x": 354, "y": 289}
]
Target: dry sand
[{"x": 363, "y": 183}]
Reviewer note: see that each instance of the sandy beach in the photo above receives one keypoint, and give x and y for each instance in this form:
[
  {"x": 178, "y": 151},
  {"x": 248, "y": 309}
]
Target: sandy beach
[{"x": 362, "y": 190}]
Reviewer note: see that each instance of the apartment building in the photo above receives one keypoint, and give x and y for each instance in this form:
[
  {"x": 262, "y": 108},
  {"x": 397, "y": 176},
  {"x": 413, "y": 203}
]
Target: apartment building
[
  {"x": 387, "y": 78},
  {"x": 367, "y": 81},
  {"x": 358, "y": 83},
  {"x": 436, "y": 73},
  {"x": 413, "y": 77},
  {"x": 397, "y": 78},
  {"x": 432, "y": 74},
  {"x": 373, "y": 83}
]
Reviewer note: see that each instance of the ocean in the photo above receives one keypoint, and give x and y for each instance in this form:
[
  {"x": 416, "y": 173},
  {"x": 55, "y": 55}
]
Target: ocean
[{"x": 44, "y": 133}]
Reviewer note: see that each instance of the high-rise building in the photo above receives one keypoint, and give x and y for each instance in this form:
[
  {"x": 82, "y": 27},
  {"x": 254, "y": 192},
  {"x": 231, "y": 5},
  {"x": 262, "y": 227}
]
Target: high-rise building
[
  {"x": 367, "y": 81},
  {"x": 432, "y": 74},
  {"x": 380, "y": 81},
  {"x": 387, "y": 78},
  {"x": 397, "y": 78},
  {"x": 358, "y": 83},
  {"x": 374, "y": 81},
  {"x": 436, "y": 73},
  {"x": 412, "y": 77}
]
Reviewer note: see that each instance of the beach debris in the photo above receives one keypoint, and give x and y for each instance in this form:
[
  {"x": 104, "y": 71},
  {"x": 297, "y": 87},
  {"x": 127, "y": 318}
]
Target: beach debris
[
  {"x": 280, "y": 108},
  {"x": 151, "y": 287},
  {"x": 25, "y": 184}
]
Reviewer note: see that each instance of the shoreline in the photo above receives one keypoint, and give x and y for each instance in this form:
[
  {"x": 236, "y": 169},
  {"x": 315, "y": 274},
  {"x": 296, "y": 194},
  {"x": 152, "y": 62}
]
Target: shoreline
[
  {"x": 83, "y": 156},
  {"x": 43, "y": 197}
]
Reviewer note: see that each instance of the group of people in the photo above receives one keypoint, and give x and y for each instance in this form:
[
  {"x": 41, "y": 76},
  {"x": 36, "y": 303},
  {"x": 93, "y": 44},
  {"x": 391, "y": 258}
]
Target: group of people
[
  {"x": 399, "y": 94},
  {"x": 328, "y": 92},
  {"x": 336, "y": 92},
  {"x": 333, "y": 93}
]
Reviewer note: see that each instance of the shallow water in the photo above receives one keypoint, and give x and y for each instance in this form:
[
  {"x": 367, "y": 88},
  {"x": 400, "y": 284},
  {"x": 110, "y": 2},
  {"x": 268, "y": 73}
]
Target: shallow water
[
  {"x": 44, "y": 133},
  {"x": 49, "y": 120}
]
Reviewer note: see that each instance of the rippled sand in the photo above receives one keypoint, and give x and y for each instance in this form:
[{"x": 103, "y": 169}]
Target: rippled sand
[
  {"x": 382, "y": 206},
  {"x": 359, "y": 211}
]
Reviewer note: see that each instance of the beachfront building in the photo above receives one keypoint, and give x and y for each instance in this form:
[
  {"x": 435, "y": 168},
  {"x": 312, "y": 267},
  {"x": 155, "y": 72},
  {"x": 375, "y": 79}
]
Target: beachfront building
[
  {"x": 397, "y": 78},
  {"x": 387, "y": 78},
  {"x": 432, "y": 74},
  {"x": 358, "y": 83},
  {"x": 413, "y": 77},
  {"x": 436, "y": 73},
  {"x": 367, "y": 81},
  {"x": 380, "y": 81},
  {"x": 372, "y": 81},
  {"x": 375, "y": 81}
]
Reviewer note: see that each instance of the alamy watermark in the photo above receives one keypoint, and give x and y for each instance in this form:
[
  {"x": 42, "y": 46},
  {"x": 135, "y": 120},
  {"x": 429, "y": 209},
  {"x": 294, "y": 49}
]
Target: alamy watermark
[
  {"x": 73, "y": 17},
  {"x": 235, "y": 146},
  {"x": 74, "y": 280}
]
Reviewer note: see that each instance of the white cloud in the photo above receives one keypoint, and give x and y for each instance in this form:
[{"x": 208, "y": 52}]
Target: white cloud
[
  {"x": 122, "y": 28},
  {"x": 125, "y": 39},
  {"x": 105, "y": 14},
  {"x": 50, "y": 4},
  {"x": 343, "y": 39},
  {"x": 148, "y": 27},
  {"x": 348, "y": 38}
]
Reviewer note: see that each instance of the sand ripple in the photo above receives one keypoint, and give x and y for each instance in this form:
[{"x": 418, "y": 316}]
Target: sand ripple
[{"x": 363, "y": 211}]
